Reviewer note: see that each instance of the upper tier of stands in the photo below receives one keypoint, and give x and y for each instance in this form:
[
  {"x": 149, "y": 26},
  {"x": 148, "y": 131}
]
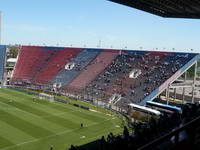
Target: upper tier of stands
[
  {"x": 99, "y": 73},
  {"x": 2, "y": 60}
]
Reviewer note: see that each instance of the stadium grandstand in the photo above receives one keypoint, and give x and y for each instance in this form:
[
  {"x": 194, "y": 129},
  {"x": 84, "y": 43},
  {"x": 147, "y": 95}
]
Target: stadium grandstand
[
  {"x": 57, "y": 97},
  {"x": 110, "y": 77}
]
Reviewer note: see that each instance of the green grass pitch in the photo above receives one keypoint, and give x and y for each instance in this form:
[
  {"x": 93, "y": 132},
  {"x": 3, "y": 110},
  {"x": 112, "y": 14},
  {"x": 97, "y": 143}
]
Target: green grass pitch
[{"x": 29, "y": 125}]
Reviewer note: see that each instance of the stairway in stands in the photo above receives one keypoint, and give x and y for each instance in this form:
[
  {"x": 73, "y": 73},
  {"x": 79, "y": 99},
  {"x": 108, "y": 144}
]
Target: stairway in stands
[
  {"x": 102, "y": 61},
  {"x": 81, "y": 61}
]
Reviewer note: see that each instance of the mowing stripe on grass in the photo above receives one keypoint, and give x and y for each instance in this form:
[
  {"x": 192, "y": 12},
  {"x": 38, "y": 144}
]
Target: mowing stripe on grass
[
  {"x": 23, "y": 125},
  {"x": 58, "y": 107},
  {"x": 34, "y": 119},
  {"x": 62, "y": 107},
  {"x": 13, "y": 134},
  {"x": 25, "y": 96},
  {"x": 23, "y": 106},
  {"x": 5, "y": 143},
  {"x": 13, "y": 92},
  {"x": 84, "y": 113},
  {"x": 55, "y": 119},
  {"x": 76, "y": 130},
  {"x": 65, "y": 116},
  {"x": 76, "y": 116}
]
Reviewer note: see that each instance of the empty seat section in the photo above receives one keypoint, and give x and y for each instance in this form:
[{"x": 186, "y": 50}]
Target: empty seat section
[
  {"x": 80, "y": 62},
  {"x": 30, "y": 61},
  {"x": 26, "y": 59},
  {"x": 94, "y": 69},
  {"x": 56, "y": 65},
  {"x": 40, "y": 62}
]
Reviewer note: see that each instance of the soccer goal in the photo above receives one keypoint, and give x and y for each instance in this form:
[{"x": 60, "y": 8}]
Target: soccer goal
[{"x": 46, "y": 96}]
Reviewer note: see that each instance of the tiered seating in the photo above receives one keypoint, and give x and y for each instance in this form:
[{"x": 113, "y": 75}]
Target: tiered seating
[
  {"x": 41, "y": 62},
  {"x": 2, "y": 60},
  {"x": 156, "y": 68},
  {"x": 80, "y": 61},
  {"x": 31, "y": 60},
  {"x": 150, "y": 66},
  {"x": 56, "y": 64},
  {"x": 95, "y": 68},
  {"x": 110, "y": 82},
  {"x": 155, "y": 72},
  {"x": 101, "y": 73},
  {"x": 39, "y": 65}
]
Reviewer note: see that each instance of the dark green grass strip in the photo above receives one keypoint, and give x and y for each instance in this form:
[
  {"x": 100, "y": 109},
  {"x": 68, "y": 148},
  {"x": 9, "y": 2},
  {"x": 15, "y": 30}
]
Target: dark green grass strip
[
  {"x": 15, "y": 93},
  {"x": 85, "y": 115},
  {"x": 4, "y": 142},
  {"x": 67, "y": 108},
  {"x": 23, "y": 107},
  {"x": 55, "y": 119},
  {"x": 25, "y": 126}
]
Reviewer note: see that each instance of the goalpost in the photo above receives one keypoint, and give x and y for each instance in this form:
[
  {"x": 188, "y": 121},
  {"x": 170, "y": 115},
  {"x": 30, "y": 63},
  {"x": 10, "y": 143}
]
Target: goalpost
[{"x": 46, "y": 96}]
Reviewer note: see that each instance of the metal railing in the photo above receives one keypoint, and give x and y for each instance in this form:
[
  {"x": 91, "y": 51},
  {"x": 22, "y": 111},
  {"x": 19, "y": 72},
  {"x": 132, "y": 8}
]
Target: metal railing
[{"x": 190, "y": 125}]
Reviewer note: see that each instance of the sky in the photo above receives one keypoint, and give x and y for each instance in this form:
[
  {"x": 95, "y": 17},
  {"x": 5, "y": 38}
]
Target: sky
[{"x": 81, "y": 23}]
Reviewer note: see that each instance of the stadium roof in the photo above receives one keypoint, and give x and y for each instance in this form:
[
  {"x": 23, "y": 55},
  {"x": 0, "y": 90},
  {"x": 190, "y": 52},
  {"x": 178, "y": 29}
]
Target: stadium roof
[{"x": 166, "y": 8}]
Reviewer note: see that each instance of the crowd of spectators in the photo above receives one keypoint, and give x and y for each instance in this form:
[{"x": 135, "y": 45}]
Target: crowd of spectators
[
  {"x": 113, "y": 73},
  {"x": 156, "y": 68},
  {"x": 143, "y": 133}
]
